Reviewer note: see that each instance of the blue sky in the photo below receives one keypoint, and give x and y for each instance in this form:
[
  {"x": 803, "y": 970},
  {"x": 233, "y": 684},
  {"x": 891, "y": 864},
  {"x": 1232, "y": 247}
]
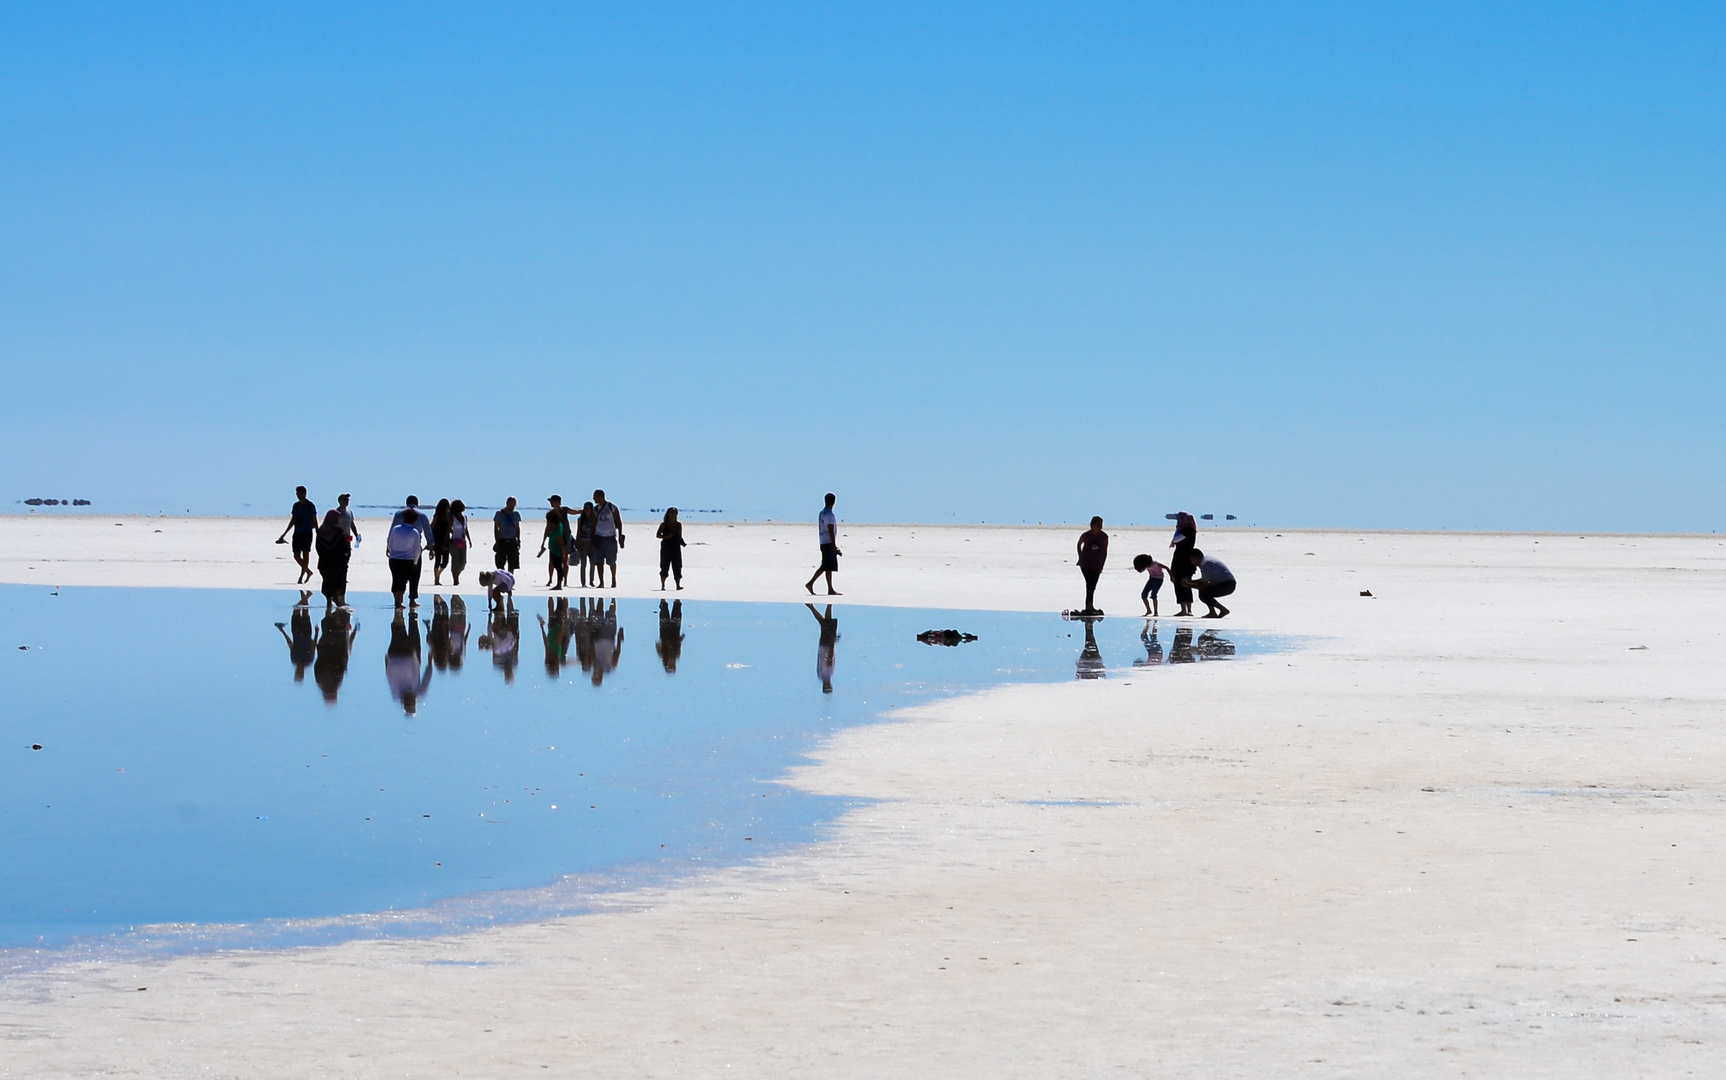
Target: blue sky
[{"x": 1356, "y": 265}]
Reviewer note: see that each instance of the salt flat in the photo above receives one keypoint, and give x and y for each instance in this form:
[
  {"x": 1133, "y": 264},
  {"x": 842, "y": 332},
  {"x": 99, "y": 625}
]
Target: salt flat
[{"x": 1477, "y": 826}]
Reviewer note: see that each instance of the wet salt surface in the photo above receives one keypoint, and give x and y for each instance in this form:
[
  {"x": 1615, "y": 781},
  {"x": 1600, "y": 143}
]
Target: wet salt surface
[{"x": 360, "y": 775}]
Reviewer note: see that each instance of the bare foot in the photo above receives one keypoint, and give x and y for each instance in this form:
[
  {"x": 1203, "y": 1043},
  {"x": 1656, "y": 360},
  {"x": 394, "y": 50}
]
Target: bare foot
[
  {"x": 832, "y": 592},
  {"x": 811, "y": 587}
]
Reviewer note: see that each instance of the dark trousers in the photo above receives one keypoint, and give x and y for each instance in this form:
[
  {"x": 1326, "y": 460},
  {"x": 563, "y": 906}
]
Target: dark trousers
[
  {"x": 1181, "y": 568},
  {"x": 1091, "y": 577},
  {"x": 405, "y": 574},
  {"x": 508, "y": 554},
  {"x": 671, "y": 560}
]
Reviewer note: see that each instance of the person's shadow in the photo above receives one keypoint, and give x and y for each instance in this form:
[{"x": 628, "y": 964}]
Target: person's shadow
[
  {"x": 303, "y": 642},
  {"x": 335, "y": 646},
  {"x": 670, "y": 646},
  {"x": 826, "y": 649}
]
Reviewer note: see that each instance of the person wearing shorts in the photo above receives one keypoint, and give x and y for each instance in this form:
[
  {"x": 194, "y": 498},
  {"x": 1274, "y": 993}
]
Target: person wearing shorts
[
  {"x": 1214, "y": 582},
  {"x": 1153, "y": 584},
  {"x": 303, "y": 520},
  {"x": 827, "y": 535},
  {"x": 607, "y": 537}
]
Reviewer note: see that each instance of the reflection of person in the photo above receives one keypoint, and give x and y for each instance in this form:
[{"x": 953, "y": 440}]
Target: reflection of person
[
  {"x": 334, "y": 552},
  {"x": 1153, "y": 647},
  {"x": 402, "y": 663},
  {"x": 506, "y": 536},
  {"x": 335, "y": 644},
  {"x": 1090, "y": 658},
  {"x": 1181, "y": 649},
  {"x": 303, "y": 520},
  {"x": 670, "y": 646},
  {"x": 671, "y": 545},
  {"x": 824, "y": 651},
  {"x": 437, "y": 634},
  {"x": 827, "y": 533},
  {"x": 1214, "y": 581},
  {"x": 458, "y": 630},
  {"x": 1211, "y": 647},
  {"x": 504, "y": 638},
  {"x": 304, "y": 641},
  {"x": 554, "y": 634},
  {"x": 607, "y": 641},
  {"x": 1180, "y": 563},
  {"x": 1093, "y": 553}
]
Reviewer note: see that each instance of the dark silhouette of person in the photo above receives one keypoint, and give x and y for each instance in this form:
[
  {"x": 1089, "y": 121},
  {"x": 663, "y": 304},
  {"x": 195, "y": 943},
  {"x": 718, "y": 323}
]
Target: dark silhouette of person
[
  {"x": 1153, "y": 647},
  {"x": 1090, "y": 657},
  {"x": 302, "y": 646},
  {"x": 825, "y": 650},
  {"x": 1181, "y": 562},
  {"x": 827, "y": 535},
  {"x": 670, "y": 646},
  {"x": 335, "y": 551},
  {"x": 303, "y": 523},
  {"x": 402, "y": 664},
  {"x": 335, "y": 645},
  {"x": 1093, "y": 553},
  {"x": 458, "y": 631},
  {"x": 1211, "y": 647}
]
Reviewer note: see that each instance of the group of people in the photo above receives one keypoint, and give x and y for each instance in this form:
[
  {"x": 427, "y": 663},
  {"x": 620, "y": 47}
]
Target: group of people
[
  {"x": 589, "y": 539},
  {"x": 1191, "y": 570}
]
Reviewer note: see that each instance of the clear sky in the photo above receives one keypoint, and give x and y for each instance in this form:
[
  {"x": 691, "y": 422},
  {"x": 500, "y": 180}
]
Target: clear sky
[{"x": 1376, "y": 265}]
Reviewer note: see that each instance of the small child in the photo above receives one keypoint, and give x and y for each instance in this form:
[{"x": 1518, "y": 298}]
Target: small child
[
  {"x": 1141, "y": 564},
  {"x": 498, "y": 585}
]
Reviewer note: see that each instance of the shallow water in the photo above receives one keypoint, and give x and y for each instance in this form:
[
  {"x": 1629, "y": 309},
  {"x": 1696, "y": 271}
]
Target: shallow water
[{"x": 224, "y": 757}]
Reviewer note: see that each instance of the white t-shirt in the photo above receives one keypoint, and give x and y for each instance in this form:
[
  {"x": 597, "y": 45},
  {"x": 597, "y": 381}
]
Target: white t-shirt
[
  {"x": 607, "y": 523},
  {"x": 405, "y": 541},
  {"x": 503, "y": 579},
  {"x": 827, "y": 527}
]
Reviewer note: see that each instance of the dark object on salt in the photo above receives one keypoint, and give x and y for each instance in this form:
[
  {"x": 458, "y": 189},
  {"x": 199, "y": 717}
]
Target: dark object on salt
[{"x": 1367, "y": 592}]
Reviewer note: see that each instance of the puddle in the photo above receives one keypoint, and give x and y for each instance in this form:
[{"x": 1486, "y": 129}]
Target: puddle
[{"x": 213, "y": 758}]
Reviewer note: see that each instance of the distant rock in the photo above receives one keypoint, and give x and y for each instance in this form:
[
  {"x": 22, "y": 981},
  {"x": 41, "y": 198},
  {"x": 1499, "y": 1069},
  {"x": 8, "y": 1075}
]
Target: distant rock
[{"x": 944, "y": 637}]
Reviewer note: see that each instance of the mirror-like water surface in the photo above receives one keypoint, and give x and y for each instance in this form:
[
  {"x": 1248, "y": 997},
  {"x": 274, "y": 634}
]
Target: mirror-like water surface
[{"x": 181, "y": 756}]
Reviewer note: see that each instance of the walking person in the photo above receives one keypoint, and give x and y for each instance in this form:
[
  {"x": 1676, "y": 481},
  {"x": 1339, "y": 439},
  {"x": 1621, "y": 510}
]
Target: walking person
[
  {"x": 457, "y": 541},
  {"x": 440, "y": 536},
  {"x": 607, "y": 537},
  {"x": 303, "y": 520},
  {"x": 671, "y": 546},
  {"x": 506, "y": 536},
  {"x": 413, "y": 503},
  {"x": 404, "y": 544},
  {"x": 334, "y": 552},
  {"x": 1180, "y": 563},
  {"x": 827, "y": 532},
  {"x": 349, "y": 525},
  {"x": 555, "y": 544},
  {"x": 585, "y": 523},
  {"x": 1093, "y": 553}
]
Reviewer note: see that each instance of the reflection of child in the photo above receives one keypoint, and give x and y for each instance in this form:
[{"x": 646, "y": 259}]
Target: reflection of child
[
  {"x": 498, "y": 585},
  {"x": 1142, "y": 564}
]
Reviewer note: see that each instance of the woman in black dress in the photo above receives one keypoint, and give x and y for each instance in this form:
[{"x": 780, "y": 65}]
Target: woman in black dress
[
  {"x": 1181, "y": 563},
  {"x": 334, "y": 551}
]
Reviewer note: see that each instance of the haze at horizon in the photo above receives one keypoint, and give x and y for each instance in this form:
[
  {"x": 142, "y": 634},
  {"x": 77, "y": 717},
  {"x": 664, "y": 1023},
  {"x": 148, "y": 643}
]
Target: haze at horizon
[{"x": 1317, "y": 265}]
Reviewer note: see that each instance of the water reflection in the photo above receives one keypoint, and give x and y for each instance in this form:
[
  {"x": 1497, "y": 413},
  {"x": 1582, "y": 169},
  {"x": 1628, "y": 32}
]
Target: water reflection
[
  {"x": 402, "y": 664},
  {"x": 1208, "y": 646},
  {"x": 1090, "y": 657},
  {"x": 335, "y": 645},
  {"x": 503, "y": 638},
  {"x": 602, "y": 637},
  {"x": 670, "y": 644},
  {"x": 1153, "y": 647},
  {"x": 303, "y": 642},
  {"x": 446, "y": 633},
  {"x": 824, "y": 650},
  {"x": 554, "y": 634}
]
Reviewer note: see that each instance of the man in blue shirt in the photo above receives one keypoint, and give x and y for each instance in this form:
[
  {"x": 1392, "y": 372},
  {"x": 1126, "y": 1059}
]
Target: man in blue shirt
[
  {"x": 303, "y": 519},
  {"x": 506, "y": 536}
]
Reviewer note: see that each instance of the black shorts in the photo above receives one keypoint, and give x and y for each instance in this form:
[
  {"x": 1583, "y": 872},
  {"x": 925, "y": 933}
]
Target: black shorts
[
  {"x": 405, "y": 574},
  {"x": 830, "y": 558},
  {"x": 303, "y": 542},
  {"x": 1206, "y": 590}
]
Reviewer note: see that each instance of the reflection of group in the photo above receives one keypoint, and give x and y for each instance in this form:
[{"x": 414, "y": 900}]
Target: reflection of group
[
  {"x": 590, "y": 626},
  {"x": 325, "y": 650},
  {"x": 1184, "y": 649}
]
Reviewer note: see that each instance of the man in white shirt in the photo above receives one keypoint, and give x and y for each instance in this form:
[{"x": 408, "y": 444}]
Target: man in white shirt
[
  {"x": 607, "y": 538},
  {"x": 403, "y": 546},
  {"x": 827, "y": 532}
]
